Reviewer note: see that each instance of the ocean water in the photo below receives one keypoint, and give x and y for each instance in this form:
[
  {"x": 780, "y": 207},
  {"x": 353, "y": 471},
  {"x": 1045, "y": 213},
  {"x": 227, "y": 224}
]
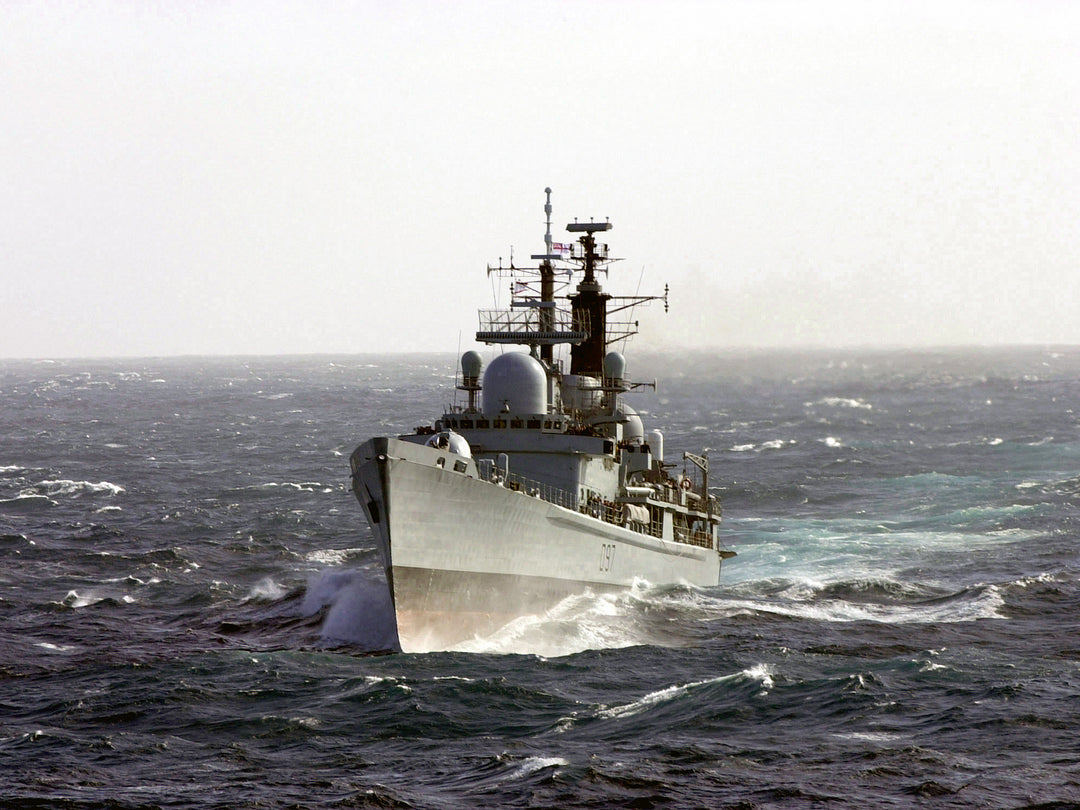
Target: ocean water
[{"x": 189, "y": 600}]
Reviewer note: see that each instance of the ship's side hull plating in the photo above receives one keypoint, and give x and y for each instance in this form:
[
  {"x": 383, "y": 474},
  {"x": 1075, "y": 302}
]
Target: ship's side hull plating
[{"x": 463, "y": 555}]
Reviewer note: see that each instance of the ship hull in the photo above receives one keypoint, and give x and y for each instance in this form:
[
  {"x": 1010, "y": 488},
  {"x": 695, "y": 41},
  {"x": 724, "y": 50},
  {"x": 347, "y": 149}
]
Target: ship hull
[{"x": 465, "y": 556}]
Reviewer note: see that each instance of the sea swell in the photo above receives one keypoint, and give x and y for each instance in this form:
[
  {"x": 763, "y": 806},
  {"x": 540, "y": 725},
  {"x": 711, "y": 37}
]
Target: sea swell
[{"x": 193, "y": 614}]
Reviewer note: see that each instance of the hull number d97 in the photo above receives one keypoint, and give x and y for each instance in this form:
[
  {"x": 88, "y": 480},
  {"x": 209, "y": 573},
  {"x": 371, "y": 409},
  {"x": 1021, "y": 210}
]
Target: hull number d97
[{"x": 607, "y": 555}]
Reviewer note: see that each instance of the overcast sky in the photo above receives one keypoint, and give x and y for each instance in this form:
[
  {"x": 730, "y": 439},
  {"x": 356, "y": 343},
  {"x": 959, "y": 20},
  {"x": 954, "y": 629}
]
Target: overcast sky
[{"x": 269, "y": 178}]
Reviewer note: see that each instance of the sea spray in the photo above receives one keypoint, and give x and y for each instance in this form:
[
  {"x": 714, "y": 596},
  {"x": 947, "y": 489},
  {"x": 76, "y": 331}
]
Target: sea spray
[{"x": 360, "y": 612}]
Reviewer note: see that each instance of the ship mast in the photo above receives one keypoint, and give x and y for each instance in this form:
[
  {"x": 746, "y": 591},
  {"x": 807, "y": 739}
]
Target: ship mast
[
  {"x": 590, "y": 303},
  {"x": 539, "y": 322},
  {"x": 547, "y": 285}
]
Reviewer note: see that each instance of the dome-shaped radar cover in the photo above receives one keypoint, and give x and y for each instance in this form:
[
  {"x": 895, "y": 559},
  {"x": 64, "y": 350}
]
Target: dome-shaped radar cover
[{"x": 515, "y": 383}]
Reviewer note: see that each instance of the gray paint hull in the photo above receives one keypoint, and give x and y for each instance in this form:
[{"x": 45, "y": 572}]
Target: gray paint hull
[{"x": 464, "y": 556}]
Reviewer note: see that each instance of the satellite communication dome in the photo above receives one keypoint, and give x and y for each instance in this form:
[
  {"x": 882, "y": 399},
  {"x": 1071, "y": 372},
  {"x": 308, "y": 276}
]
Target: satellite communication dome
[
  {"x": 614, "y": 366},
  {"x": 471, "y": 363},
  {"x": 633, "y": 430},
  {"x": 515, "y": 383}
]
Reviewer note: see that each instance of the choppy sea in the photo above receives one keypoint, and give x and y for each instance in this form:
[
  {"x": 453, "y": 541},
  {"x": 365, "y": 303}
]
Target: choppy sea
[{"x": 189, "y": 600}]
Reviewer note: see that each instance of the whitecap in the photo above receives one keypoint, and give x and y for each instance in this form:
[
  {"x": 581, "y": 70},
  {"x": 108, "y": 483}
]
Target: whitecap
[
  {"x": 841, "y": 402},
  {"x": 61, "y": 648},
  {"x": 64, "y": 486},
  {"x": 75, "y": 600},
  {"x": 330, "y": 556},
  {"x": 776, "y": 444},
  {"x": 977, "y": 602},
  {"x": 759, "y": 673},
  {"x": 871, "y": 736},
  {"x": 28, "y": 499},
  {"x": 266, "y": 590},
  {"x": 1041, "y": 579},
  {"x": 649, "y": 700},
  {"x": 303, "y": 486},
  {"x": 531, "y": 765}
]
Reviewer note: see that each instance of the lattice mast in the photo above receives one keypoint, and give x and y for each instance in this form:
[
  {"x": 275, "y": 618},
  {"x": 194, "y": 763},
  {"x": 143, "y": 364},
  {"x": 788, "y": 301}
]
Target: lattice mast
[{"x": 535, "y": 318}]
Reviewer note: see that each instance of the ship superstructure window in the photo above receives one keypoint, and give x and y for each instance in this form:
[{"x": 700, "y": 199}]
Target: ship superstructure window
[
  {"x": 516, "y": 424},
  {"x": 533, "y": 424},
  {"x": 499, "y": 424},
  {"x": 482, "y": 424}
]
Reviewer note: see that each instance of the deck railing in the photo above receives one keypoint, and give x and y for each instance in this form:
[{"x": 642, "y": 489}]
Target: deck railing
[
  {"x": 546, "y": 492},
  {"x": 611, "y": 512}
]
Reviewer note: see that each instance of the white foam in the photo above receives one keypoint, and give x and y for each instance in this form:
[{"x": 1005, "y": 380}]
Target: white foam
[
  {"x": 266, "y": 590},
  {"x": 803, "y": 601},
  {"x": 581, "y": 622},
  {"x": 26, "y": 499},
  {"x": 64, "y": 486},
  {"x": 841, "y": 402},
  {"x": 771, "y": 444},
  {"x": 61, "y": 648},
  {"x": 531, "y": 765},
  {"x": 76, "y": 600},
  {"x": 759, "y": 673},
  {"x": 872, "y": 736},
  {"x": 331, "y": 556},
  {"x": 775, "y": 444},
  {"x": 303, "y": 486}
]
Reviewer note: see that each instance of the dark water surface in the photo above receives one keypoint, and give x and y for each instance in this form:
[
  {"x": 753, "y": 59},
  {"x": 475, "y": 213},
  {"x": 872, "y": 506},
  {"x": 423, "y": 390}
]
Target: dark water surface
[{"x": 188, "y": 595}]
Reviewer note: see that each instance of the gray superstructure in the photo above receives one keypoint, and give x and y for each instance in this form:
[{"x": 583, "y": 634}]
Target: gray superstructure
[{"x": 544, "y": 482}]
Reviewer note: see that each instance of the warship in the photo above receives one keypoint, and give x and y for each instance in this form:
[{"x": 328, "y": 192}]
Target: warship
[{"x": 540, "y": 482}]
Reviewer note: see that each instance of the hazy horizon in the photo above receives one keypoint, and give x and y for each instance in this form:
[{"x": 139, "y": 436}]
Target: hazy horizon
[
  {"x": 635, "y": 350},
  {"x": 249, "y": 179}
]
